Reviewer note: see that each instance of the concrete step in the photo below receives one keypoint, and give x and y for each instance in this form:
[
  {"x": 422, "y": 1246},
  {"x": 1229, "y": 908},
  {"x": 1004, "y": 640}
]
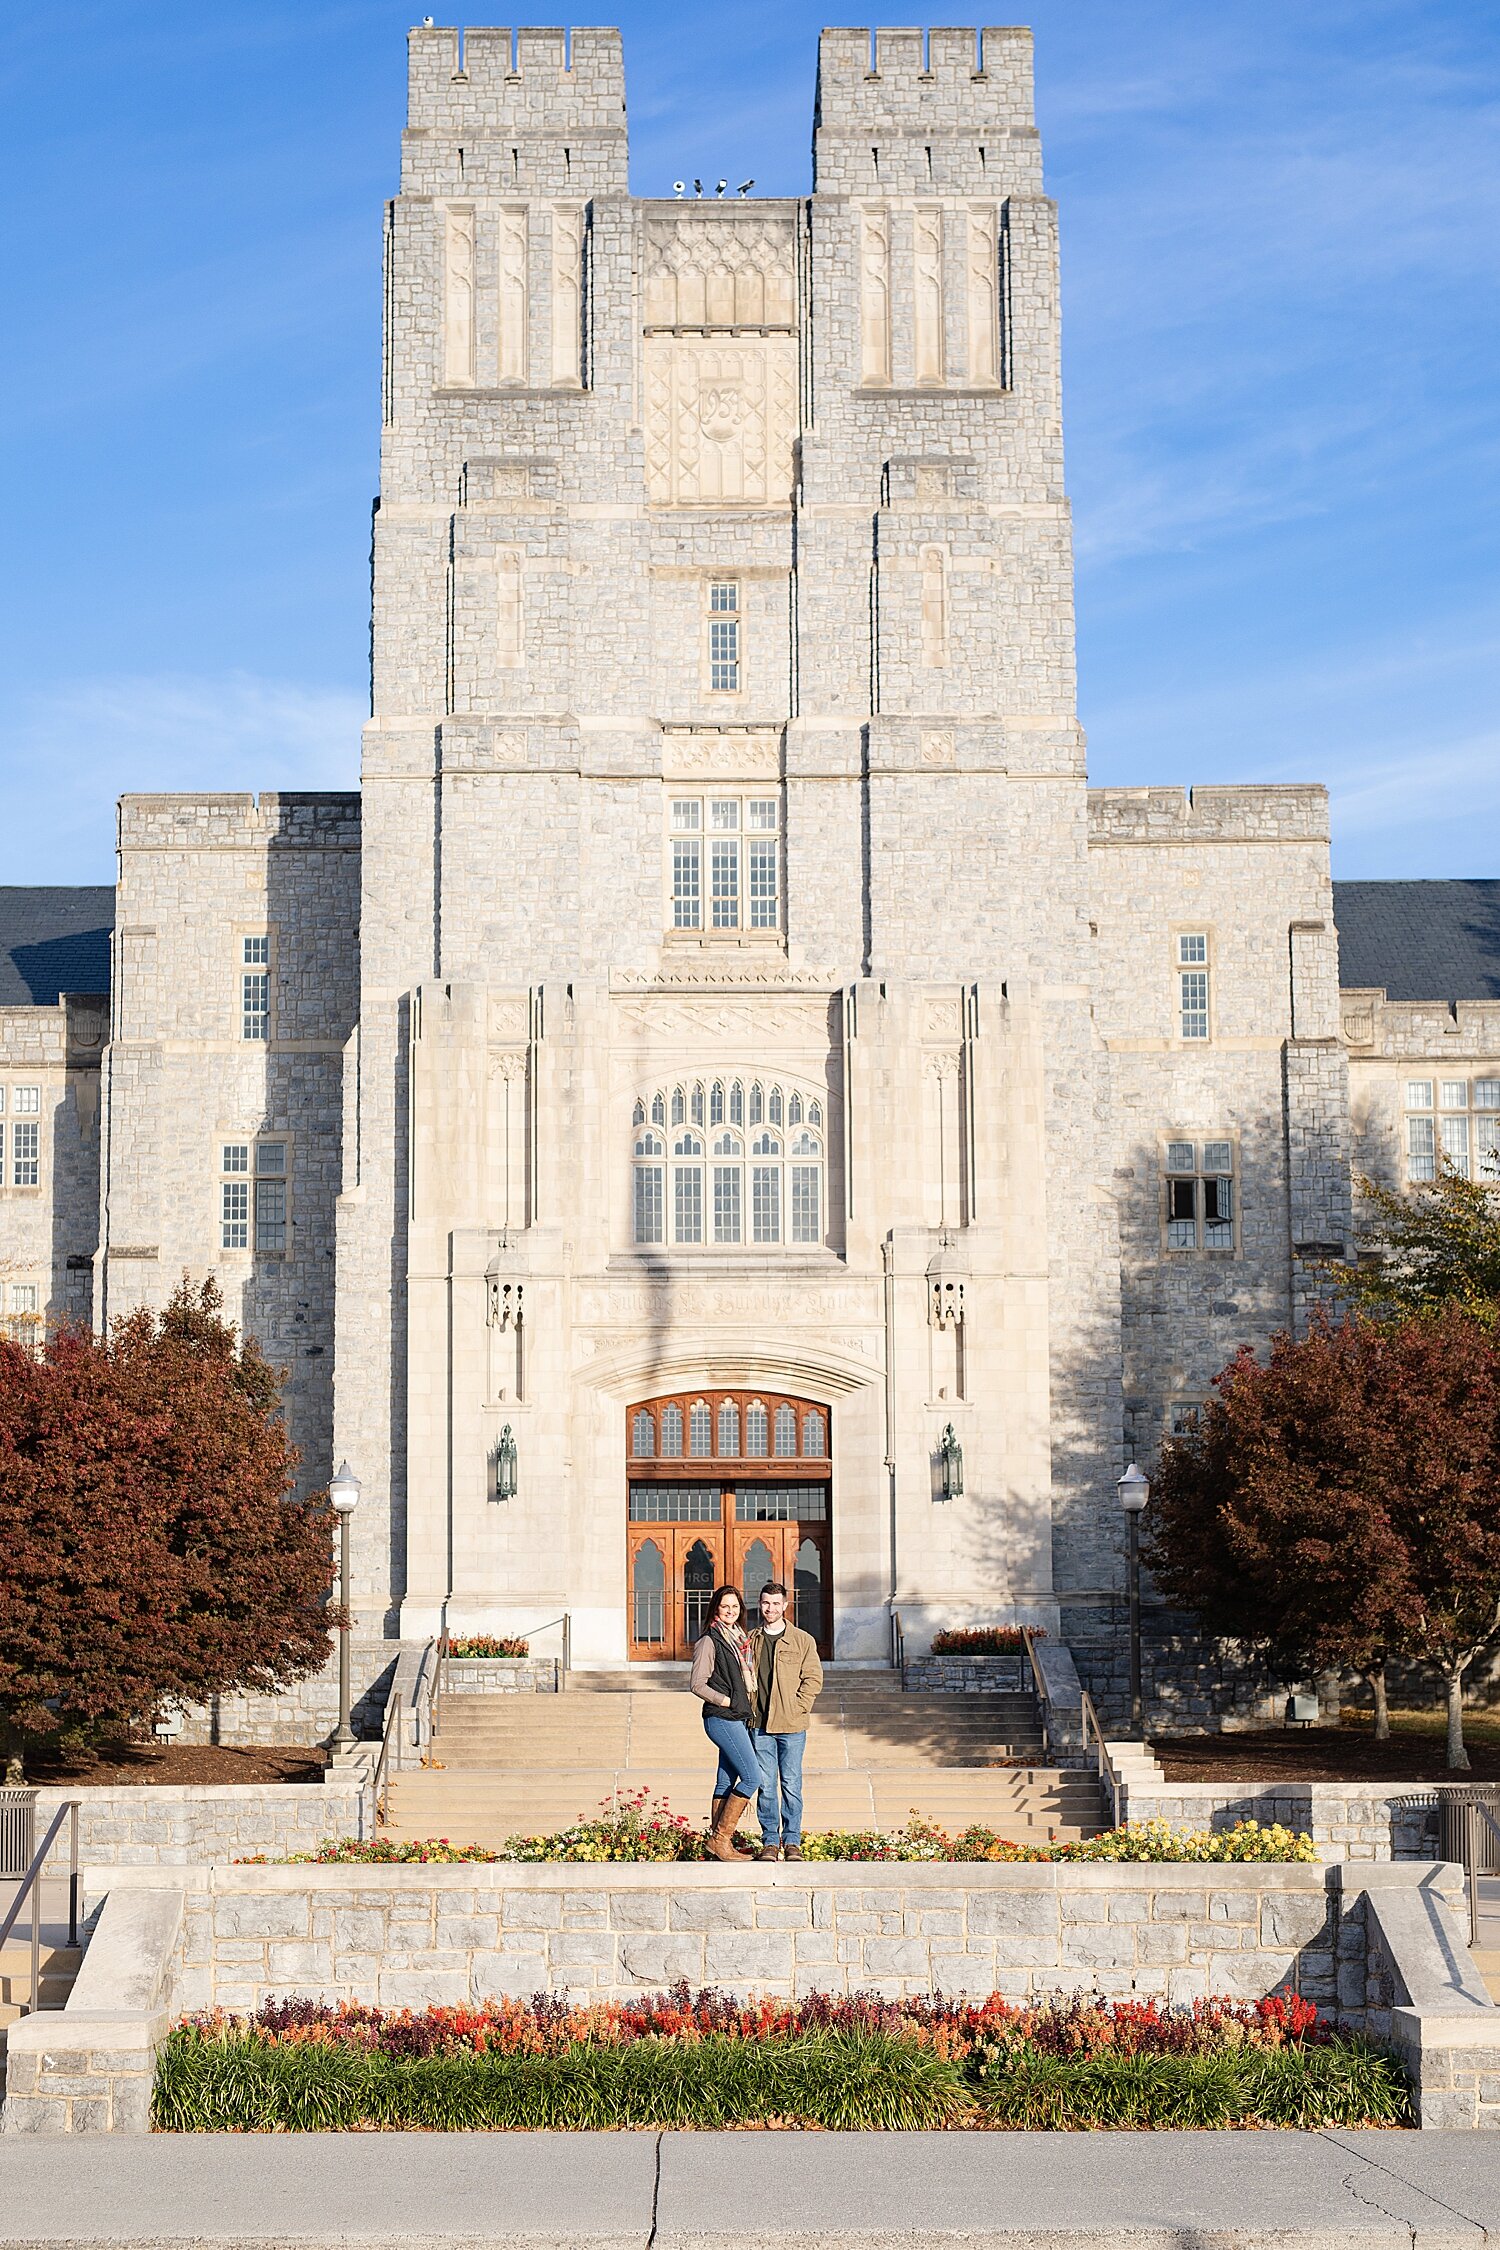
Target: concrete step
[{"x": 1487, "y": 1960}]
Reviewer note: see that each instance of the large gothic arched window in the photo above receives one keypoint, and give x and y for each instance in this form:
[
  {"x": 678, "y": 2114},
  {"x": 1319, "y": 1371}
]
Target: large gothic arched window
[{"x": 727, "y": 1185}]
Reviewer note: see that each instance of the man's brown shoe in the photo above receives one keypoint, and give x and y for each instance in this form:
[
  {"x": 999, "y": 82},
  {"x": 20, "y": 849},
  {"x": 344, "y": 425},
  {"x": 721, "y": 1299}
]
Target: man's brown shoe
[
  {"x": 793, "y": 1851},
  {"x": 769, "y": 1851}
]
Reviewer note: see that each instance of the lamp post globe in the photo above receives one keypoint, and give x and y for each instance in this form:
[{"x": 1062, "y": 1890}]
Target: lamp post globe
[
  {"x": 343, "y": 1492},
  {"x": 1133, "y": 1491}
]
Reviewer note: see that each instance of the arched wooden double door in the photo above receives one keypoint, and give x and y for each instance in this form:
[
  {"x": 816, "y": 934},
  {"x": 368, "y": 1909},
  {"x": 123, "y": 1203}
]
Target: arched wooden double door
[{"x": 726, "y": 1487}]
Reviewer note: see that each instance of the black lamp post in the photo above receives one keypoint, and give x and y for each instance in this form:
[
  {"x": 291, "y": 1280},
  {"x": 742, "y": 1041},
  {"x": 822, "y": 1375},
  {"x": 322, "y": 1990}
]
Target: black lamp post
[
  {"x": 951, "y": 1462},
  {"x": 344, "y": 1493},
  {"x": 1134, "y": 1490}
]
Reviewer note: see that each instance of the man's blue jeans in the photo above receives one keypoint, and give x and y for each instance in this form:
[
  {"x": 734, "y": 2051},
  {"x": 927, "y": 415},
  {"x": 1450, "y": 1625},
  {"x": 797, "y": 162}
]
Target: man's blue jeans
[{"x": 780, "y": 1763}]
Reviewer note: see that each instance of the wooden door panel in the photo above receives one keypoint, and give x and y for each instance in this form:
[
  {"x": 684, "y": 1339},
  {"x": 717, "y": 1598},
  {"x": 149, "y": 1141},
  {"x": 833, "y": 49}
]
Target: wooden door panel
[{"x": 649, "y": 1567}]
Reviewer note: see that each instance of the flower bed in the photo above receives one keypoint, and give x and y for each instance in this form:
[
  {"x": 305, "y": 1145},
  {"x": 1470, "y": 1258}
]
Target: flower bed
[
  {"x": 637, "y": 1827},
  {"x": 983, "y": 1640},
  {"x": 706, "y": 2060},
  {"x": 474, "y": 1645}
]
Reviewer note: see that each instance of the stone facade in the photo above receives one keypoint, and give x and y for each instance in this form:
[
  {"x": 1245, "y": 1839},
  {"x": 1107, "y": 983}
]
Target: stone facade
[
  {"x": 724, "y": 755},
  {"x": 191, "y": 1827}
]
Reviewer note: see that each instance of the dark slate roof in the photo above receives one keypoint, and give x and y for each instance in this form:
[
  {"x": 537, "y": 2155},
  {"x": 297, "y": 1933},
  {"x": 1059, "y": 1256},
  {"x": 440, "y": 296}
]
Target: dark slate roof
[
  {"x": 53, "y": 940},
  {"x": 1422, "y": 941}
]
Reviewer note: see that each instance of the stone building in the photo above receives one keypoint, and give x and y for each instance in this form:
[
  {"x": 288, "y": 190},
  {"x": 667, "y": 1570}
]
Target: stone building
[{"x": 727, "y": 1099}]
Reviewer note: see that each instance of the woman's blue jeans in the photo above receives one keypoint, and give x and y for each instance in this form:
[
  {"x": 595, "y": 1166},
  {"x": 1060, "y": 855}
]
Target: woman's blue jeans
[{"x": 739, "y": 1766}]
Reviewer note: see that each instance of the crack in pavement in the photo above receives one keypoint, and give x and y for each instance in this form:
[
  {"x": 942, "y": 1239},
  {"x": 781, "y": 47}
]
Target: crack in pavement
[
  {"x": 655, "y": 2192},
  {"x": 1480, "y": 2233}
]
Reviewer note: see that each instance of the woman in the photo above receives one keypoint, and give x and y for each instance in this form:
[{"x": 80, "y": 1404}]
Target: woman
[{"x": 722, "y": 1677}]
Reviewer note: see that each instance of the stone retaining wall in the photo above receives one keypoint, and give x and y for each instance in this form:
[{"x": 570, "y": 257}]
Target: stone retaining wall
[
  {"x": 412, "y": 1936},
  {"x": 1381, "y": 1947},
  {"x": 144, "y": 1826},
  {"x": 1347, "y": 1820}
]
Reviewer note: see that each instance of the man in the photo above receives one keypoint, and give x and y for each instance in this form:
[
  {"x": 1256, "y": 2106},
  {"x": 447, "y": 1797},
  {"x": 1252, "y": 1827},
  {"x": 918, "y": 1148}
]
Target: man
[{"x": 788, "y": 1677}]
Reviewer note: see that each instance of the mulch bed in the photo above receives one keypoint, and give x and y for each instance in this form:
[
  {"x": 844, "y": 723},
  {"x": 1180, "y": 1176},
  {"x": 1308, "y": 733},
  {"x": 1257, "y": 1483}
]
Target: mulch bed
[
  {"x": 175, "y": 1765},
  {"x": 1321, "y": 1754}
]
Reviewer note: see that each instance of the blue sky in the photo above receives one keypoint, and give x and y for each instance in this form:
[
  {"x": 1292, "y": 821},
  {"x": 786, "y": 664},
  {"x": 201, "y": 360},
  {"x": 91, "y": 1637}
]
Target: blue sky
[{"x": 1281, "y": 230}]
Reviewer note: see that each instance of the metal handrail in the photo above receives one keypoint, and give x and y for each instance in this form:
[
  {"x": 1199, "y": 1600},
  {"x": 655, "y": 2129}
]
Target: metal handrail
[
  {"x": 561, "y": 1665},
  {"x": 32, "y": 1881},
  {"x": 439, "y": 1681},
  {"x": 1044, "y": 1700},
  {"x": 1103, "y": 1763},
  {"x": 898, "y": 1646},
  {"x": 1471, "y": 1855},
  {"x": 392, "y": 1730},
  {"x": 421, "y": 1704}
]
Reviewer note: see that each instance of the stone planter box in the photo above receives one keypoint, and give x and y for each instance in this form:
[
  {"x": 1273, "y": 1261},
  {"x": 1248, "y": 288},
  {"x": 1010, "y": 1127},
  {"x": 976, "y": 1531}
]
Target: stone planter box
[
  {"x": 501, "y": 1675},
  {"x": 1347, "y": 1820},
  {"x": 144, "y": 1826},
  {"x": 968, "y": 1675}
]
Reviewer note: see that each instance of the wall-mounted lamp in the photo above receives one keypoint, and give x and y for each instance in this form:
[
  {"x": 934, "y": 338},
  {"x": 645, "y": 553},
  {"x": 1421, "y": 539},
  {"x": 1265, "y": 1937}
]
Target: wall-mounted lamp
[
  {"x": 505, "y": 1465},
  {"x": 951, "y": 1461}
]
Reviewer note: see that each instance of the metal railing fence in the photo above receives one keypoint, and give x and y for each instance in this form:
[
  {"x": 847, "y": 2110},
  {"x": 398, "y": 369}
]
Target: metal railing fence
[
  {"x": 1039, "y": 1689},
  {"x": 1109, "y": 1780}
]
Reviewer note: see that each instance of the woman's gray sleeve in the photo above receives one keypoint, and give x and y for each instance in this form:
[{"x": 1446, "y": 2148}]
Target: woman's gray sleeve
[{"x": 703, "y": 1672}]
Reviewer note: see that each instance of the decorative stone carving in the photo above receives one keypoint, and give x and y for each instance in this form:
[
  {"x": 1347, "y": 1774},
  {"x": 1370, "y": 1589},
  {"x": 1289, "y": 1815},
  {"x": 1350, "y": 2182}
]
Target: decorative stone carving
[
  {"x": 927, "y": 293},
  {"x": 567, "y": 296},
  {"x": 511, "y": 288},
  {"x": 982, "y": 275},
  {"x": 739, "y": 757},
  {"x": 458, "y": 293},
  {"x": 510, "y": 641},
  {"x": 751, "y": 1022},
  {"x": 946, "y": 1305},
  {"x": 934, "y": 573},
  {"x": 875, "y": 295},
  {"x": 937, "y": 748},
  {"x": 720, "y": 421},
  {"x": 720, "y": 273}
]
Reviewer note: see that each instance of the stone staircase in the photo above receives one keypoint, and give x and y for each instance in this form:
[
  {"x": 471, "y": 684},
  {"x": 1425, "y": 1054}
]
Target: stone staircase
[
  {"x": 59, "y": 1966},
  {"x": 523, "y": 1764}
]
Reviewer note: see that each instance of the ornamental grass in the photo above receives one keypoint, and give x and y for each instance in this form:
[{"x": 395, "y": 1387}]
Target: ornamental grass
[
  {"x": 705, "y": 2060},
  {"x": 636, "y": 1827}
]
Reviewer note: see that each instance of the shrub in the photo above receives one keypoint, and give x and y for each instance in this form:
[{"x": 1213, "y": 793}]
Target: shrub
[
  {"x": 983, "y": 1640},
  {"x": 638, "y": 1827},
  {"x": 707, "y": 2060},
  {"x": 487, "y": 1644}
]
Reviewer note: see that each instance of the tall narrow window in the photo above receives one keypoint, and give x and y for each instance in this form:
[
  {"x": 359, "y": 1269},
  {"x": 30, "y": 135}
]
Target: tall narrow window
[
  {"x": 757, "y": 1431},
  {"x": 765, "y": 1187},
  {"x": 234, "y": 1196},
  {"x": 729, "y": 1174},
  {"x": 724, "y": 819},
  {"x": 764, "y": 863},
  {"x": 255, "y": 988},
  {"x": 724, "y": 637},
  {"x": 25, "y": 1154},
  {"x": 687, "y": 864},
  {"x": 786, "y": 1431},
  {"x": 270, "y": 1198},
  {"x": 729, "y": 1431},
  {"x": 700, "y": 1430},
  {"x": 1192, "y": 985},
  {"x": 687, "y": 1188},
  {"x": 642, "y": 1437},
  {"x": 650, "y": 1202}
]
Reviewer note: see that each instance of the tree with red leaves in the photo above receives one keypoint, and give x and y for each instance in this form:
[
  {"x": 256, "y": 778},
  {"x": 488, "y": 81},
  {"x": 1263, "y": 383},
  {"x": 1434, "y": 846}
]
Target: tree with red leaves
[
  {"x": 1342, "y": 1501},
  {"x": 151, "y": 1553}
]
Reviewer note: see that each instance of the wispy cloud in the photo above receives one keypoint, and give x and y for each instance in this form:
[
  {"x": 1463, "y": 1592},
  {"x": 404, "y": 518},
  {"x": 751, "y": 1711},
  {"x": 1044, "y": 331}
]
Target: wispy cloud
[{"x": 73, "y": 751}]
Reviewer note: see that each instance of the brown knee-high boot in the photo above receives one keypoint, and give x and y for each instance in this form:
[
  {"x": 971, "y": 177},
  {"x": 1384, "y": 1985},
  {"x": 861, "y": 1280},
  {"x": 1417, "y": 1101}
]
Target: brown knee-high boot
[
  {"x": 741, "y": 1844},
  {"x": 731, "y": 1812}
]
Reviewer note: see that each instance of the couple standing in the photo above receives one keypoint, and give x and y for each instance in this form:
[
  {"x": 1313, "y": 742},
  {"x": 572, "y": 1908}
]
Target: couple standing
[{"x": 758, "y": 1690}]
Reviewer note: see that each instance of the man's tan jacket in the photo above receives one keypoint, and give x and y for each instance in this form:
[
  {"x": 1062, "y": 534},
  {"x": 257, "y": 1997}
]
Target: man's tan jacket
[{"x": 795, "y": 1683}]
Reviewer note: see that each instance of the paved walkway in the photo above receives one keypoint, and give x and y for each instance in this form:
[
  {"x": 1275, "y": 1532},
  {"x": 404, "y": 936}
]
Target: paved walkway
[{"x": 741, "y": 2191}]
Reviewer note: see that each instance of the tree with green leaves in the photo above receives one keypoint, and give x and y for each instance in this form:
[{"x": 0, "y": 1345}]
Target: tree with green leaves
[
  {"x": 1341, "y": 1502},
  {"x": 152, "y": 1551},
  {"x": 1434, "y": 1246}
]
